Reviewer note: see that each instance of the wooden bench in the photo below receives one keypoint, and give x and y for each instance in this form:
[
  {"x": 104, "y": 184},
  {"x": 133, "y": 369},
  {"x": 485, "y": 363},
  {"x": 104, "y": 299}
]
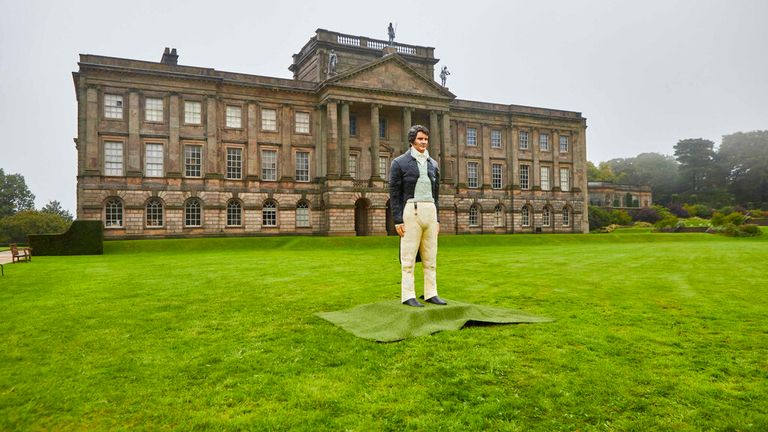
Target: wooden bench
[{"x": 20, "y": 254}]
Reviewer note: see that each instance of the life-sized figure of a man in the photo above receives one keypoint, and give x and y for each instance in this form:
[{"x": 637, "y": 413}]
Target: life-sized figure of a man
[{"x": 414, "y": 183}]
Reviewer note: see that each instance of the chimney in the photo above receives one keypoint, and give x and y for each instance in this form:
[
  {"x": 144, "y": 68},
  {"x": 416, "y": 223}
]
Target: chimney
[{"x": 170, "y": 57}]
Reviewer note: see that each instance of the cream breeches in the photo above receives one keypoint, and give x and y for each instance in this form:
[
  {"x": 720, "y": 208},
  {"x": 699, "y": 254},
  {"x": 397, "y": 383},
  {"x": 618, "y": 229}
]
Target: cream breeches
[{"x": 421, "y": 229}]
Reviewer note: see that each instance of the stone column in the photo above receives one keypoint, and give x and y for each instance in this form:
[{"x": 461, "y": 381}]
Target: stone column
[
  {"x": 90, "y": 140},
  {"x": 173, "y": 157},
  {"x": 461, "y": 142},
  {"x": 287, "y": 172},
  {"x": 320, "y": 142},
  {"x": 555, "y": 160},
  {"x": 212, "y": 149},
  {"x": 435, "y": 150},
  {"x": 344, "y": 139},
  {"x": 485, "y": 148},
  {"x": 445, "y": 143},
  {"x": 375, "y": 143},
  {"x": 406, "y": 125},
  {"x": 133, "y": 151},
  {"x": 332, "y": 136},
  {"x": 252, "y": 152},
  {"x": 513, "y": 161},
  {"x": 535, "y": 176}
]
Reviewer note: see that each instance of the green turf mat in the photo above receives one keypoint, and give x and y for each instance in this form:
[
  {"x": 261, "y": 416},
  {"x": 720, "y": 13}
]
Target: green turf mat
[{"x": 390, "y": 321}]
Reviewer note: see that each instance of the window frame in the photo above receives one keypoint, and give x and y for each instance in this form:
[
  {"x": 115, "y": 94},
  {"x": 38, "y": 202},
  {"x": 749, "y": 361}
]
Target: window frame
[
  {"x": 546, "y": 217},
  {"x": 189, "y": 114},
  {"x": 356, "y": 172},
  {"x": 565, "y": 179},
  {"x": 266, "y": 169},
  {"x": 303, "y": 215},
  {"x": 109, "y": 111},
  {"x": 229, "y": 115},
  {"x": 302, "y": 174},
  {"x": 199, "y": 148},
  {"x": 269, "y": 214},
  {"x": 473, "y": 181},
  {"x": 471, "y": 137},
  {"x": 474, "y": 216},
  {"x": 198, "y": 202},
  {"x": 352, "y": 124},
  {"x": 564, "y": 143},
  {"x": 296, "y": 123},
  {"x": 566, "y": 216},
  {"x": 524, "y": 176},
  {"x": 525, "y": 216},
  {"x": 107, "y": 158},
  {"x": 547, "y": 178},
  {"x": 498, "y": 216},
  {"x": 496, "y": 138},
  {"x": 524, "y": 140},
  {"x": 148, "y": 172},
  {"x": 154, "y": 110},
  {"x": 383, "y": 128},
  {"x": 265, "y": 121},
  {"x": 154, "y": 207},
  {"x": 544, "y": 142},
  {"x": 231, "y": 169},
  {"x": 497, "y": 176},
  {"x": 234, "y": 205},
  {"x": 384, "y": 167},
  {"x": 110, "y": 211}
]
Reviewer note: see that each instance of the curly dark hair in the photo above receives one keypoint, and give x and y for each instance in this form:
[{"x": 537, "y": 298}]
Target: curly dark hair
[{"x": 415, "y": 129}]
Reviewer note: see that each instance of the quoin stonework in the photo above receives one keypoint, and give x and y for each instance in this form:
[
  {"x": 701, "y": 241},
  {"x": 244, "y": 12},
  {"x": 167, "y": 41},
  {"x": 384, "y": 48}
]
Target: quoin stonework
[{"x": 171, "y": 150}]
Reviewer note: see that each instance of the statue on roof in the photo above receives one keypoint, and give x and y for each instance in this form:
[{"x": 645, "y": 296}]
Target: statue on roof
[
  {"x": 391, "y": 32},
  {"x": 444, "y": 74},
  {"x": 333, "y": 60}
]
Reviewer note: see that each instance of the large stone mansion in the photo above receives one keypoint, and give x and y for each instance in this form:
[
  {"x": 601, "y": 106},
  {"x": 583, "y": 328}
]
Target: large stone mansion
[{"x": 172, "y": 150}]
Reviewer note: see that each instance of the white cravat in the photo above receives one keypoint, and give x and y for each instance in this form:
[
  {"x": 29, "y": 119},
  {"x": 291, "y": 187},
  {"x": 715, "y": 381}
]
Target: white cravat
[{"x": 420, "y": 157}]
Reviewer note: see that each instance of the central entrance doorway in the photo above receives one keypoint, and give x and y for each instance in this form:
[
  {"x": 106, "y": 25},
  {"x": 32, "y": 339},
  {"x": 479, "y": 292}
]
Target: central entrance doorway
[{"x": 362, "y": 217}]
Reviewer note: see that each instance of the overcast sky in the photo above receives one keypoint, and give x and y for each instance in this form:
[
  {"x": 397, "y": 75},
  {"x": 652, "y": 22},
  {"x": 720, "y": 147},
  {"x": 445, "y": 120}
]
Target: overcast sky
[{"x": 645, "y": 74}]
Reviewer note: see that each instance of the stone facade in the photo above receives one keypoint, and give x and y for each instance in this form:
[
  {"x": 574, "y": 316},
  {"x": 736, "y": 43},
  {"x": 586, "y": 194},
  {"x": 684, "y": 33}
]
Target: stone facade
[
  {"x": 171, "y": 150},
  {"x": 614, "y": 195}
]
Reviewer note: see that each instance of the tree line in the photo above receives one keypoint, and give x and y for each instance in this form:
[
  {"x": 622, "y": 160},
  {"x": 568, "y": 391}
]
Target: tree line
[
  {"x": 733, "y": 174},
  {"x": 18, "y": 216}
]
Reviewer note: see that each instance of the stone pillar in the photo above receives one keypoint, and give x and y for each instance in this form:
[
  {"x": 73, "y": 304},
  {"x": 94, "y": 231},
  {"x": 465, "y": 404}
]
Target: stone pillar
[
  {"x": 461, "y": 143},
  {"x": 287, "y": 171},
  {"x": 212, "y": 149},
  {"x": 173, "y": 157},
  {"x": 445, "y": 142},
  {"x": 513, "y": 162},
  {"x": 485, "y": 148},
  {"x": 435, "y": 150},
  {"x": 90, "y": 141},
  {"x": 332, "y": 136},
  {"x": 375, "y": 144},
  {"x": 320, "y": 142},
  {"x": 556, "y": 160},
  {"x": 406, "y": 125},
  {"x": 133, "y": 150},
  {"x": 252, "y": 152},
  {"x": 344, "y": 138},
  {"x": 535, "y": 176}
]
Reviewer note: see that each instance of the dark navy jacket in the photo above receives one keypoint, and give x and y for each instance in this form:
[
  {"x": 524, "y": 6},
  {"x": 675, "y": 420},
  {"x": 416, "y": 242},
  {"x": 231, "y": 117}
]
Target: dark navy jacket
[{"x": 403, "y": 175}]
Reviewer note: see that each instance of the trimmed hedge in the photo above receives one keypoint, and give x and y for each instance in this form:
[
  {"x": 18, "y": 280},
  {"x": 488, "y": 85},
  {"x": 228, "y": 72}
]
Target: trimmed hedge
[{"x": 82, "y": 238}]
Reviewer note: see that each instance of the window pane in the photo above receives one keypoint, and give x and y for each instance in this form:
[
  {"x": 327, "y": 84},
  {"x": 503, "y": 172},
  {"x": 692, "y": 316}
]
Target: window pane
[
  {"x": 269, "y": 214},
  {"x": 545, "y": 178},
  {"x": 113, "y": 213},
  {"x": 353, "y": 166},
  {"x": 496, "y": 139},
  {"x": 153, "y": 109},
  {"x": 565, "y": 179},
  {"x": 234, "y": 163},
  {"x": 192, "y": 112},
  {"x": 193, "y": 160},
  {"x": 563, "y": 144},
  {"x": 302, "y": 166},
  {"x": 544, "y": 142},
  {"x": 234, "y": 213},
  {"x": 269, "y": 165},
  {"x": 523, "y": 140},
  {"x": 566, "y": 216},
  {"x": 192, "y": 213},
  {"x": 524, "y": 176},
  {"x": 113, "y": 158},
  {"x": 473, "y": 216},
  {"x": 471, "y": 136},
  {"x": 472, "y": 174},
  {"x": 153, "y": 160},
  {"x": 302, "y": 122},
  {"x": 383, "y": 166},
  {"x": 268, "y": 119},
  {"x": 234, "y": 116},
  {"x": 525, "y": 218},
  {"x": 498, "y": 216},
  {"x": 302, "y": 214},
  {"x": 382, "y": 128},
  {"x": 113, "y": 106},
  {"x": 496, "y": 170},
  {"x": 154, "y": 213},
  {"x": 353, "y": 125},
  {"x": 546, "y": 217}
]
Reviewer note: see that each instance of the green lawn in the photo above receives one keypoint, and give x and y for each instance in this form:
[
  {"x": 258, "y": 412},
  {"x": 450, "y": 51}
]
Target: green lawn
[{"x": 652, "y": 332}]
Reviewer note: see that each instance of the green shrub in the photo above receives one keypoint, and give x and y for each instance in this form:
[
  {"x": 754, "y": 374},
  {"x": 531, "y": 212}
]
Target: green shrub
[
  {"x": 642, "y": 224},
  {"x": 620, "y": 217},
  {"x": 732, "y": 230},
  {"x": 735, "y": 218},
  {"x": 699, "y": 210},
  {"x": 598, "y": 218},
  {"x": 695, "y": 222},
  {"x": 668, "y": 223},
  {"x": 16, "y": 228}
]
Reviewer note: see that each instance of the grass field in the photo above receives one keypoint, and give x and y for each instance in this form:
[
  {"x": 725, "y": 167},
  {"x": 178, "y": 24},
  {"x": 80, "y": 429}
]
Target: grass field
[{"x": 652, "y": 332}]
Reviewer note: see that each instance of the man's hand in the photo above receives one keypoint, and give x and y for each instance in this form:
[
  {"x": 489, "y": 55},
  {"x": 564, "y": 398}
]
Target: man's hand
[{"x": 400, "y": 228}]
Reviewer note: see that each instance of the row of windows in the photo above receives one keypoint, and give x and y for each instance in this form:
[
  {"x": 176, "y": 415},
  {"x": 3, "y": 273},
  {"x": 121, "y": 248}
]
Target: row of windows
[
  {"x": 193, "y": 162},
  {"x": 525, "y": 216},
  {"x": 523, "y": 140},
  {"x": 193, "y": 213},
  {"x": 233, "y": 115},
  {"x": 497, "y": 177}
]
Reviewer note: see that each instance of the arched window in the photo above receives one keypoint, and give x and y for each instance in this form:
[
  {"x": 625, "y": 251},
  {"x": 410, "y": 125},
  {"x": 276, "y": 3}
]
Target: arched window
[
  {"x": 498, "y": 215},
  {"x": 113, "y": 213},
  {"x": 473, "y": 219},
  {"x": 193, "y": 213},
  {"x": 302, "y": 214},
  {"x": 566, "y": 216},
  {"x": 154, "y": 213},
  {"x": 546, "y": 217},
  {"x": 269, "y": 214},
  {"x": 234, "y": 213},
  {"x": 525, "y": 216}
]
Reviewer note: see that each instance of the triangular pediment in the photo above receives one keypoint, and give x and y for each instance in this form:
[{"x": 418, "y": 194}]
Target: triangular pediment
[{"x": 391, "y": 74}]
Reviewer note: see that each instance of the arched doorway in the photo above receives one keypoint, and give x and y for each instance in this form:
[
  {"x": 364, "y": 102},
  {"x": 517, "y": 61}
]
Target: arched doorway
[{"x": 362, "y": 217}]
